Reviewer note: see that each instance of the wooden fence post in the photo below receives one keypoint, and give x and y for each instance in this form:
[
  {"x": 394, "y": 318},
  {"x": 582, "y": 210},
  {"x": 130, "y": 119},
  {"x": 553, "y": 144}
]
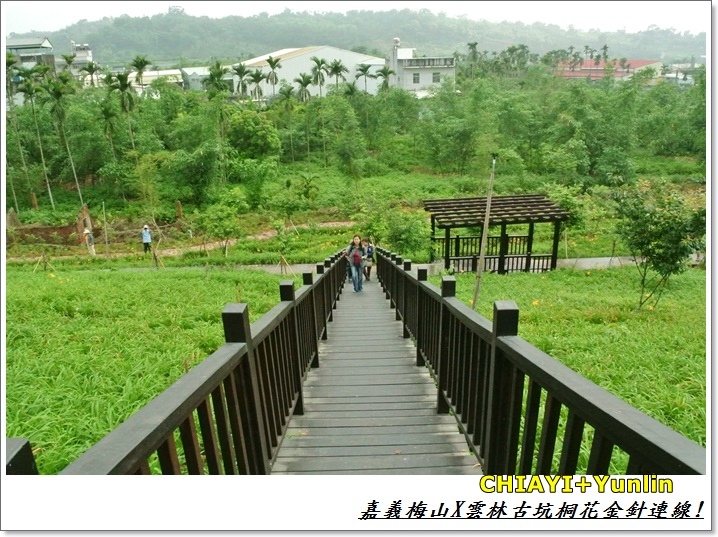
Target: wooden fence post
[
  {"x": 421, "y": 276},
  {"x": 235, "y": 320},
  {"x": 498, "y": 431},
  {"x": 308, "y": 279},
  {"x": 286, "y": 294},
  {"x": 448, "y": 290},
  {"x": 404, "y": 301},
  {"x": 396, "y": 293}
]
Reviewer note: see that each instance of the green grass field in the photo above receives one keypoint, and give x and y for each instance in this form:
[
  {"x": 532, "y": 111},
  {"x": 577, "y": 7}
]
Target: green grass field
[
  {"x": 654, "y": 358},
  {"x": 87, "y": 348}
]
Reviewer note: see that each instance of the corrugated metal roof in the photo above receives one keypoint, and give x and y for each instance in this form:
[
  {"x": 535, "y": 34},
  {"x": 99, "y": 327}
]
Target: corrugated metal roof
[
  {"x": 27, "y": 42},
  {"x": 283, "y": 54}
]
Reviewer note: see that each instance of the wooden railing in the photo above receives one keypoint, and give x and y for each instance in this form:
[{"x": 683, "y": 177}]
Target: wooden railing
[
  {"x": 522, "y": 411},
  {"x": 229, "y": 413},
  {"x": 512, "y": 255}
]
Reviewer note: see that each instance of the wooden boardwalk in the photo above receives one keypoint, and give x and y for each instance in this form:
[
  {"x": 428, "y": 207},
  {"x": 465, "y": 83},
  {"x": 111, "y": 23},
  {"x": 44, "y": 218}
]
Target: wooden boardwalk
[{"x": 368, "y": 409}]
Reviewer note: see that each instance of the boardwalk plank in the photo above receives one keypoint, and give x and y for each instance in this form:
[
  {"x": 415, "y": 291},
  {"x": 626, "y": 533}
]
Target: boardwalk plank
[{"x": 368, "y": 409}]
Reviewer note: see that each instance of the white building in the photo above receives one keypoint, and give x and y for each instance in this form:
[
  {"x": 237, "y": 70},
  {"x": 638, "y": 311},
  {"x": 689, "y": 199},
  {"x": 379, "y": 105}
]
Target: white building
[
  {"x": 418, "y": 75},
  {"x": 193, "y": 77},
  {"x": 171, "y": 75},
  {"x": 295, "y": 61}
]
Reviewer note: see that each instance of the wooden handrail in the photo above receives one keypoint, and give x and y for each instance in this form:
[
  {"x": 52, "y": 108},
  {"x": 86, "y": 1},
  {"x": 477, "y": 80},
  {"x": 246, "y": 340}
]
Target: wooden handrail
[{"x": 507, "y": 395}]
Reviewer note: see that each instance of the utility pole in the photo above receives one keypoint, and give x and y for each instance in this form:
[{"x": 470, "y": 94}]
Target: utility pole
[{"x": 484, "y": 233}]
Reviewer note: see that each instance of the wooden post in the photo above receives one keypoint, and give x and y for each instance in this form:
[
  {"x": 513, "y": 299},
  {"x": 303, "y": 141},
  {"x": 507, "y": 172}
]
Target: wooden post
[
  {"x": 405, "y": 302},
  {"x": 498, "y": 433},
  {"x": 556, "y": 238},
  {"x": 287, "y": 294},
  {"x": 447, "y": 248},
  {"x": 235, "y": 320},
  {"x": 529, "y": 247},
  {"x": 448, "y": 290},
  {"x": 308, "y": 279},
  {"x": 397, "y": 290},
  {"x": 179, "y": 209},
  {"x": 503, "y": 249},
  {"x": 421, "y": 276}
]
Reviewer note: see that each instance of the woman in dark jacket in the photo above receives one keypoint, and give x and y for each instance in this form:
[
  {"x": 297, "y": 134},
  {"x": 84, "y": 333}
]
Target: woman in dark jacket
[{"x": 356, "y": 256}]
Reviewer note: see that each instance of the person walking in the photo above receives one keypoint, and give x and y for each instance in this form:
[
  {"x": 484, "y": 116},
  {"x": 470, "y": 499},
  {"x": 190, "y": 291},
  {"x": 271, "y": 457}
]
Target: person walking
[
  {"x": 356, "y": 255},
  {"x": 369, "y": 262},
  {"x": 90, "y": 242},
  {"x": 146, "y": 238}
]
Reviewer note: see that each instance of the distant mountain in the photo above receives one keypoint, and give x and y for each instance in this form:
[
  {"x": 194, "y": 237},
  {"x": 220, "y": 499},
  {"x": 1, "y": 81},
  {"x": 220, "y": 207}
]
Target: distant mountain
[{"x": 175, "y": 38}]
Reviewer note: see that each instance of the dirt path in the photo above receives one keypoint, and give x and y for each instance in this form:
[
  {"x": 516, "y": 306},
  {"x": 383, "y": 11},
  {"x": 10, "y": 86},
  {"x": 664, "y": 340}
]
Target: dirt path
[{"x": 199, "y": 247}]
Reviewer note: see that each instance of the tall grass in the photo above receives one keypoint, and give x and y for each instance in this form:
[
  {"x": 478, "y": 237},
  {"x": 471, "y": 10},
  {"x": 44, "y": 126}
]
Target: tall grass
[
  {"x": 654, "y": 359},
  {"x": 86, "y": 349}
]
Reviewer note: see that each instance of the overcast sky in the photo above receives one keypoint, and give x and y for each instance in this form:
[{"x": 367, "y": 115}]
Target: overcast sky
[{"x": 691, "y": 16}]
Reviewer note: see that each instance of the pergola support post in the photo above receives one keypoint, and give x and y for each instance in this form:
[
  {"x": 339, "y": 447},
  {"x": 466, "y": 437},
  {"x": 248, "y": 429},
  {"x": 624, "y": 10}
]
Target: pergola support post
[
  {"x": 556, "y": 238},
  {"x": 529, "y": 248}
]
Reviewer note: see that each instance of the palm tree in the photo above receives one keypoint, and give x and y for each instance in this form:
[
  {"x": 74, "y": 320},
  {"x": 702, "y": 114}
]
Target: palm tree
[
  {"x": 287, "y": 99},
  {"x": 214, "y": 83},
  {"x": 384, "y": 73},
  {"x": 337, "y": 70},
  {"x": 69, "y": 60},
  {"x": 57, "y": 89},
  {"x": 351, "y": 89},
  {"x": 30, "y": 88},
  {"x": 257, "y": 76},
  {"x": 473, "y": 58},
  {"x": 11, "y": 64},
  {"x": 140, "y": 63},
  {"x": 363, "y": 71},
  {"x": 108, "y": 78},
  {"x": 319, "y": 69},
  {"x": 109, "y": 114},
  {"x": 242, "y": 72},
  {"x": 91, "y": 68},
  {"x": 304, "y": 80},
  {"x": 120, "y": 82},
  {"x": 272, "y": 77}
]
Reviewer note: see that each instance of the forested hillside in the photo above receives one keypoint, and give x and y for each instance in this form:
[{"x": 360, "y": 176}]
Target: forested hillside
[{"x": 175, "y": 38}]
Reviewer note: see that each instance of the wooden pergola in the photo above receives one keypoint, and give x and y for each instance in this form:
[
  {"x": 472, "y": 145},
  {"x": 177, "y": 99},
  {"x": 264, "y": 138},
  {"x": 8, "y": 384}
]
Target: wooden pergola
[{"x": 504, "y": 253}]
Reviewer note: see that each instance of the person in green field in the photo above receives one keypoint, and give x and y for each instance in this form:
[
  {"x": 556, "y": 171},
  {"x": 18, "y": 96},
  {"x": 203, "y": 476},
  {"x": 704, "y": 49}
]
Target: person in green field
[
  {"x": 90, "y": 242},
  {"x": 146, "y": 238}
]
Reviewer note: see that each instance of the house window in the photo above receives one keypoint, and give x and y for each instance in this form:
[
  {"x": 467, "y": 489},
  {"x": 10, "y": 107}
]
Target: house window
[
  {"x": 435, "y": 78},
  {"x": 416, "y": 78}
]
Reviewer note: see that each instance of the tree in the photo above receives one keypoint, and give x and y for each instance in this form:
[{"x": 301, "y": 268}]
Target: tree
[
  {"x": 69, "y": 60},
  {"x": 214, "y": 83},
  {"x": 363, "y": 70},
  {"x": 57, "y": 89},
  {"x": 473, "y": 58},
  {"x": 121, "y": 84},
  {"x": 242, "y": 72},
  {"x": 319, "y": 69},
  {"x": 140, "y": 62},
  {"x": 337, "y": 70},
  {"x": 91, "y": 68},
  {"x": 287, "y": 102},
  {"x": 384, "y": 73},
  {"x": 272, "y": 78},
  {"x": 257, "y": 76},
  {"x": 11, "y": 64},
  {"x": 252, "y": 135},
  {"x": 661, "y": 230},
  {"x": 108, "y": 114},
  {"x": 30, "y": 88},
  {"x": 304, "y": 80}
]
